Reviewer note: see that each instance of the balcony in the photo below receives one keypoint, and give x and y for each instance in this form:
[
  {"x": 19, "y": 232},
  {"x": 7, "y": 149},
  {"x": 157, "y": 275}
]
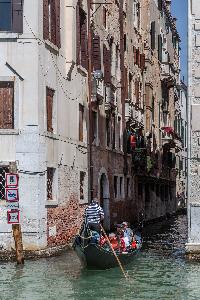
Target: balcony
[
  {"x": 109, "y": 99},
  {"x": 167, "y": 73},
  {"x": 128, "y": 110}
]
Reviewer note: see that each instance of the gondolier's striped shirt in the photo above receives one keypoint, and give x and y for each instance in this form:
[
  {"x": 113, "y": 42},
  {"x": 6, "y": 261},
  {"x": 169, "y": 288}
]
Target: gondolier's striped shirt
[{"x": 93, "y": 213}]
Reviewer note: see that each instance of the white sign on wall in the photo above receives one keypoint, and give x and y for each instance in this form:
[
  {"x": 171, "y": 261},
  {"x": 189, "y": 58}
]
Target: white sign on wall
[
  {"x": 12, "y": 195},
  {"x": 12, "y": 180},
  {"x": 13, "y": 216},
  {"x": 52, "y": 230}
]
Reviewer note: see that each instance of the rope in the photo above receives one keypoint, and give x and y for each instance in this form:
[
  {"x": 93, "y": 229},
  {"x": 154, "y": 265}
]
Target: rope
[{"x": 85, "y": 238}]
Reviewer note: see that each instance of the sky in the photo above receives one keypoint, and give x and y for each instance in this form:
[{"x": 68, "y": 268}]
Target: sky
[{"x": 179, "y": 10}]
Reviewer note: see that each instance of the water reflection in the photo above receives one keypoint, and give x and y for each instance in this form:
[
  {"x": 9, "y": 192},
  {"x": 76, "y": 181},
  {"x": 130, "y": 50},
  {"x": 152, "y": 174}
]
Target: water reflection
[{"x": 159, "y": 272}]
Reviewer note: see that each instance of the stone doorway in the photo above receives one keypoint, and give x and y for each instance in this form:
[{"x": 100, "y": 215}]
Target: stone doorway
[{"x": 105, "y": 200}]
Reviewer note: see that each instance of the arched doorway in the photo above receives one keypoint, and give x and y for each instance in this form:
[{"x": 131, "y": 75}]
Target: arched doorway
[{"x": 104, "y": 200}]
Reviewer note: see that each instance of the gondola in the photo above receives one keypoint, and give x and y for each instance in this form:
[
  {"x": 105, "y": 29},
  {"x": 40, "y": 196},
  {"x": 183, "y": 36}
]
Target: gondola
[{"x": 93, "y": 255}]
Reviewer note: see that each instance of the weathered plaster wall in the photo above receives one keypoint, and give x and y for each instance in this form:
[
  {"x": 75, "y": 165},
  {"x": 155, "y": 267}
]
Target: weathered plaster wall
[{"x": 40, "y": 64}]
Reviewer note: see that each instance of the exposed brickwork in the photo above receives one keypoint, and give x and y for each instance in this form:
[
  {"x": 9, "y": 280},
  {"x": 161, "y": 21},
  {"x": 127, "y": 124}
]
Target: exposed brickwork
[{"x": 67, "y": 219}]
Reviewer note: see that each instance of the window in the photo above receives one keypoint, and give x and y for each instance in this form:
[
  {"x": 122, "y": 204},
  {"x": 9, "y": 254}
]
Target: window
[
  {"x": 120, "y": 131},
  {"x": 137, "y": 91},
  {"x": 153, "y": 109},
  {"x": 81, "y": 37},
  {"x": 6, "y": 105},
  {"x": 115, "y": 186},
  {"x": 50, "y": 177},
  {"x": 107, "y": 64},
  {"x": 113, "y": 58},
  {"x": 121, "y": 187},
  {"x": 130, "y": 88},
  {"x": 82, "y": 184},
  {"x": 147, "y": 193},
  {"x": 128, "y": 187},
  {"x": 157, "y": 190},
  {"x": 3, "y": 171},
  {"x": 104, "y": 17},
  {"x": 81, "y": 113},
  {"x": 108, "y": 132},
  {"x": 140, "y": 189},
  {"x": 125, "y": 43},
  {"x": 160, "y": 47},
  {"x": 136, "y": 14},
  {"x": 160, "y": 5},
  {"x": 153, "y": 37},
  {"x": 96, "y": 52},
  {"x": 11, "y": 15},
  {"x": 94, "y": 125},
  {"x": 162, "y": 192},
  {"x": 51, "y": 21},
  {"x": 166, "y": 192},
  {"x": 5, "y": 15},
  {"x": 49, "y": 106},
  {"x": 117, "y": 61},
  {"x": 113, "y": 131}
]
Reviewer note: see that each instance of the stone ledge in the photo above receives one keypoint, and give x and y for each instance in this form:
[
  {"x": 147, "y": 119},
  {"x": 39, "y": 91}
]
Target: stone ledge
[
  {"x": 193, "y": 256},
  {"x": 192, "y": 248},
  {"x": 30, "y": 254}
]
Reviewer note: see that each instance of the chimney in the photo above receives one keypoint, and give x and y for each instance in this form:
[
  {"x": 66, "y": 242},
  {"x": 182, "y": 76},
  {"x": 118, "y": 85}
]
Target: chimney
[
  {"x": 174, "y": 21},
  {"x": 168, "y": 5}
]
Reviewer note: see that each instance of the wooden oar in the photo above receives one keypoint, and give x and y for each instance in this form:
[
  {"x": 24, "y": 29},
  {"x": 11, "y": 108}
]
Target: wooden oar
[{"x": 117, "y": 258}]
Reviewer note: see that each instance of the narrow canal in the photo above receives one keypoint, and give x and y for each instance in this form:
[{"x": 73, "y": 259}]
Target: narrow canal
[{"x": 159, "y": 272}]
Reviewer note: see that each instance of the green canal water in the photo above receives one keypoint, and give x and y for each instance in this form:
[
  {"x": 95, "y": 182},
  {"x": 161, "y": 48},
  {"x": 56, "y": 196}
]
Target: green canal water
[{"x": 160, "y": 271}]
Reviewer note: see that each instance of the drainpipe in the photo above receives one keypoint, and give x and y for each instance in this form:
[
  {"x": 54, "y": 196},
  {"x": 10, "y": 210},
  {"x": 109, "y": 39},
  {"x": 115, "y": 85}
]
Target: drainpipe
[
  {"x": 121, "y": 28},
  {"x": 90, "y": 167}
]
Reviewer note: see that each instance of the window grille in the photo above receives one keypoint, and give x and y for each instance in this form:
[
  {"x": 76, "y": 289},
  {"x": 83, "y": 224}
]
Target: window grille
[
  {"x": 3, "y": 171},
  {"x": 50, "y": 173}
]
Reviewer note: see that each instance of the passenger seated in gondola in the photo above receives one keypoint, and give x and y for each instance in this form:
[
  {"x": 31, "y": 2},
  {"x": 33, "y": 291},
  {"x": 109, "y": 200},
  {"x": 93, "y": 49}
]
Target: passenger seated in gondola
[
  {"x": 114, "y": 241},
  {"x": 128, "y": 232},
  {"x": 133, "y": 243}
]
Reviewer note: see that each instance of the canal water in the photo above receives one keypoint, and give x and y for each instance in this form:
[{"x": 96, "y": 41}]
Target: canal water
[{"x": 160, "y": 271}]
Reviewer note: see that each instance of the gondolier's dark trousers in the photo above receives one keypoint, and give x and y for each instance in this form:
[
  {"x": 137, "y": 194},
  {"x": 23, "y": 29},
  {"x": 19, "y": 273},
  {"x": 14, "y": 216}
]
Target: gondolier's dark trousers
[{"x": 95, "y": 227}]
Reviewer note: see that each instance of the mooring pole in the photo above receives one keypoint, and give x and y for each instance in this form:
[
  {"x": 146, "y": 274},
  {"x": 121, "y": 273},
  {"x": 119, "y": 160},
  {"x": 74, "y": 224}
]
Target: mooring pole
[{"x": 16, "y": 228}]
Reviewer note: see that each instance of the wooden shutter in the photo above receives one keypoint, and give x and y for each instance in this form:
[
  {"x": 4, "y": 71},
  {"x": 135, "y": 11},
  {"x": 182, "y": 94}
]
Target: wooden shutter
[
  {"x": 104, "y": 16},
  {"x": 57, "y": 7},
  {"x": 125, "y": 43},
  {"x": 107, "y": 64},
  {"x": 142, "y": 61},
  {"x": 138, "y": 57},
  {"x": 53, "y": 21},
  {"x": 153, "y": 35},
  {"x": 84, "y": 53},
  {"x": 160, "y": 47},
  {"x": 137, "y": 91},
  {"x": 147, "y": 96},
  {"x": 135, "y": 54},
  {"x": 6, "y": 105},
  {"x": 96, "y": 52},
  {"x": 125, "y": 83},
  {"x": 49, "y": 104},
  {"x": 17, "y": 16},
  {"x": 78, "y": 40},
  {"x": 160, "y": 5},
  {"x": 45, "y": 20},
  {"x": 50, "y": 183},
  {"x": 81, "y": 111}
]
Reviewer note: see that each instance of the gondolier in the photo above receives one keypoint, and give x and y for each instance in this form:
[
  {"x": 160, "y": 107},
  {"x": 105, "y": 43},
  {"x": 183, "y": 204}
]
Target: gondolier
[{"x": 94, "y": 215}]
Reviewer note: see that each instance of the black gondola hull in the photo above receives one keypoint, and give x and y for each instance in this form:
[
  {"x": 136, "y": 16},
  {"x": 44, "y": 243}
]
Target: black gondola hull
[{"x": 97, "y": 257}]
